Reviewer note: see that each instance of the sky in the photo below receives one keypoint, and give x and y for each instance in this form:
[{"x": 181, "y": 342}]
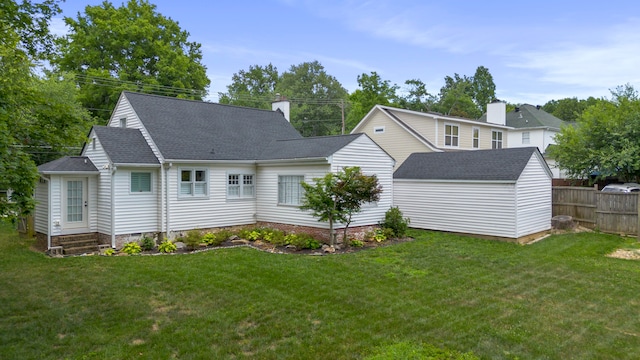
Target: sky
[{"x": 536, "y": 51}]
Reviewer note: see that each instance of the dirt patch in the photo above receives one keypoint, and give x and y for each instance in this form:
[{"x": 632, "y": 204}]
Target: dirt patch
[{"x": 626, "y": 254}]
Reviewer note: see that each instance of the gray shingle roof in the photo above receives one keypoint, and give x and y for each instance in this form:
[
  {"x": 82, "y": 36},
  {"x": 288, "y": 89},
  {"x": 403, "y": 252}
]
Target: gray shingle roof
[
  {"x": 125, "y": 146},
  {"x": 69, "y": 164},
  {"x": 501, "y": 164},
  {"x": 304, "y": 148},
  {"x": 529, "y": 116},
  {"x": 196, "y": 130}
]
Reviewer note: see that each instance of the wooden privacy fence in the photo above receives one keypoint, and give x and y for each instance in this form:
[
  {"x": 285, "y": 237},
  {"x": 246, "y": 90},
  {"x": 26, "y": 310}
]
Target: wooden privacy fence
[{"x": 608, "y": 212}]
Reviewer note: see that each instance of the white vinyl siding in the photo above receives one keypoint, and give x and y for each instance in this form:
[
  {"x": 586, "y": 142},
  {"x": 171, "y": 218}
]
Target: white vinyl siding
[
  {"x": 290, "y": 191},
  {"x": 372, "y": 160},
  {"x": 268, "y": 209},
  {"x": 534, "y": 208},
  {"x": 41, "y": 215},
  {"x": 502, "y": 209},
  {"x": 125, "y": 110},
  {"x": 473, "y": 208},
  {"x": 136, "y": 212},
  {"x": 187, "y": 213},
  {"x": 102, "y": 215}
]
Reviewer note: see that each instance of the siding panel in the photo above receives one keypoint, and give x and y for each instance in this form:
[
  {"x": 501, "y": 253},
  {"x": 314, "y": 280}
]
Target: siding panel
[
  {"x": 534, "y": 198},
  {"x": 41, "y": 215}
]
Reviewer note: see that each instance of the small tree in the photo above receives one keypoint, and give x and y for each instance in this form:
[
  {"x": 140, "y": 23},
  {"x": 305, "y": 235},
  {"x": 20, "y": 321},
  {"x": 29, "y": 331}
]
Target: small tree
[{"x": 337, "y": 197}]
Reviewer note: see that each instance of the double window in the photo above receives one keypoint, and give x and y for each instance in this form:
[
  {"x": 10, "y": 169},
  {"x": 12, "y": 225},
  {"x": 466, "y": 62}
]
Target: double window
[
  {"x": 240, "y": 186},
  {"x": 290, "y": 191},
  {"x": 496, "y": 139},
  {"x": 451, "y": 135},
  {"x": 140, "y": 182},
  {"x": 193, "y": 182}
]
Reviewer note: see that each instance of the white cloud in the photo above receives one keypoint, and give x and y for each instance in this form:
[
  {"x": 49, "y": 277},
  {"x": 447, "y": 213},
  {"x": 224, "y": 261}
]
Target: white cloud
[
  {"x": 603, "y": 63},
  {"x": 57, "y": 27}
]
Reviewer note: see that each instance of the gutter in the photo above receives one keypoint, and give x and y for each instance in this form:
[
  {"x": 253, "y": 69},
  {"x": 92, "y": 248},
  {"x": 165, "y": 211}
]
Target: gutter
[{"x": 320, "y": 160}]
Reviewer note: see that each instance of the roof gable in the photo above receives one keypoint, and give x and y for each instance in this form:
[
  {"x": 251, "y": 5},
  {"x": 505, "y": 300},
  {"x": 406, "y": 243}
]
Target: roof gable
[
  {"x": 197, "y": 130},
  {"x": 529, "y": 116},
  {"x": 125, "y": 146},
  {"x": 487, "y": 165}
]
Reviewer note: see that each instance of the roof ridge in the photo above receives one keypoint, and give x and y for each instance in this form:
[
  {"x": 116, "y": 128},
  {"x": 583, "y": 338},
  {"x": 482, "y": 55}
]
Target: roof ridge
[{"x": 196, "y": 101}]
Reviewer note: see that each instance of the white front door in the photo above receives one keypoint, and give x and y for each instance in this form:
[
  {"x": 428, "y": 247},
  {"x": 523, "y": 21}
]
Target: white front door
[{"x": 75, "y": 209}]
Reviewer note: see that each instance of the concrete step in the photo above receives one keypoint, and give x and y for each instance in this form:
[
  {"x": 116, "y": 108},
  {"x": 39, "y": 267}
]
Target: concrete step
[{"x": 77, "y": 250}]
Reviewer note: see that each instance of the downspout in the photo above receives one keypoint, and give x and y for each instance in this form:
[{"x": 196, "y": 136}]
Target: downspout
[
  {"x": 167, "y": 212},
  {"x": 162, "y": 197},
  {"x": 113, "y": 206}
]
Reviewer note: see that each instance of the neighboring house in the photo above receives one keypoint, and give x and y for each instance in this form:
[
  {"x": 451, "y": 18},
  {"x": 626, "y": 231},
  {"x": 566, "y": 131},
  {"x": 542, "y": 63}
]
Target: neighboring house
[
  {"x": 502, "y": 193},
  {"x": 402, "y": 132},
  {"x": 531, "y": 126},
  {"x": 165, "y": 165}
]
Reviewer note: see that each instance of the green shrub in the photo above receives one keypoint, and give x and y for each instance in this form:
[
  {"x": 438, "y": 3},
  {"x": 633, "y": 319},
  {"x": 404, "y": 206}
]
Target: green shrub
[
  {"x": 356, "y": 243},
  {"x": 132, "y": 248},
  {"x": 147, "y": 243},
  {"x": 302, "y": 241},
  {"x": 275, "y": 237},
  {"x": 210, "y": 239},
  {"x": 393, "y": 220},
  {"x": 223, "y": 235},
  {"x": 167, "y": 247},
  {"x": 193, "y": 239},
  {"x": 108, "y": 252}
]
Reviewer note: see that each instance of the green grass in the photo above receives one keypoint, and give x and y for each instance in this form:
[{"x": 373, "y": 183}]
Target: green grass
[{"x": 560, "y": 298}]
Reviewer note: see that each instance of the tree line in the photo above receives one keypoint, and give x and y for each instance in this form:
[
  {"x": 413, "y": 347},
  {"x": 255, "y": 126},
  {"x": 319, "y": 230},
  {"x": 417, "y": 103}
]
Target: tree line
[{"x": 47, "y": 111}]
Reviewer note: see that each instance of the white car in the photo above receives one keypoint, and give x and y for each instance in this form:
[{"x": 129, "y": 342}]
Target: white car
[{"x": 622, "y": 188}]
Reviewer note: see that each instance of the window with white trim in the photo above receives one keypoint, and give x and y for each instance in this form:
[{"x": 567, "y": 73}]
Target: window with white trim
[
  {"x": 240, "y": 186},
  {"x": 123, "y": 122},
  {"x": 526, "y": 137},
  {"x": 476, "y": 137},
  {"x": 290, "y": 191},
  {"x": 193, "y": 182},
  {"x": 496, "y": 139},
  {"x": 140, "y": 182},
  {"x": 451, "y": 135}
]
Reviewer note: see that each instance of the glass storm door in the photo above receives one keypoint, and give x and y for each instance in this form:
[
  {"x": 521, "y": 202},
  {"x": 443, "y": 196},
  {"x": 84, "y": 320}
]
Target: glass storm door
[{"x": 75, "y": 205}]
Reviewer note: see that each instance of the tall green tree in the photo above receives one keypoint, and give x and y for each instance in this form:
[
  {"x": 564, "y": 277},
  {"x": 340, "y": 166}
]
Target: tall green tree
[
  {"x": 605, "y": 140},
  {"x": 130, "y": 47},
  {"x": 316, "y": 99},
  {"x": 372, "y": 91},
  {"x": 417, "y": 97},
  {"x": 568, "y": 109},
  {"x": 40, "y": 118},
  {"x": 456, "y": 97},
  {"x": 484, "y": 89},
  {"x": 254, "y": 88},
  {"x": 28, "y": 21},
  {"x": 337, "y": 196}
]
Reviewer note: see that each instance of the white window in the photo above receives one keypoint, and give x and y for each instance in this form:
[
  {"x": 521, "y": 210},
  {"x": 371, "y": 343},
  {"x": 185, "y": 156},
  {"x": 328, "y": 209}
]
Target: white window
[
  {"x": 240, "y": 186},
  {"x": 525, "y": 137},
  {"x": 378, "y": 130},
  {"x": 290, "y": 191},
  {"x": 123, "y": 122},
  {"x": 476, "y": 138},
  {"x": 140, "y": 182},
  {"x": 496, "y": 139},
  {"x": 450, "y": 135},
  {"x": 193, "y": 182}
]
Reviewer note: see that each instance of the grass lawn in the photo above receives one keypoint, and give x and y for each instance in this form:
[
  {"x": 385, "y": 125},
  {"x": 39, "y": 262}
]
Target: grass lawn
[{"x": 560, "y": 298}]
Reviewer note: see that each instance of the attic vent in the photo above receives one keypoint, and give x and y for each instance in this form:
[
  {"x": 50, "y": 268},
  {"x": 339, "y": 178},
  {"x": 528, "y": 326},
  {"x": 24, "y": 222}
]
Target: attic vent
[
  {"x": 517, "y": 109},
  {"x": 538, "y": 107},
  {"x": 378, "y": 130}
]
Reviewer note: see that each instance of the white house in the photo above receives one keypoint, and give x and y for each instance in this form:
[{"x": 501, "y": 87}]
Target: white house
[
  {"x": 503, "y": 193},
  {"x": 167, "y": 165}
]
